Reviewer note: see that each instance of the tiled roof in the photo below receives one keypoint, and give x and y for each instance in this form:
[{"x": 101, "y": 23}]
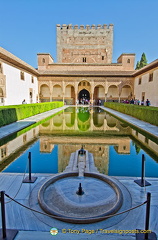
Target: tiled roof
[{"x": 148, "y": 67}]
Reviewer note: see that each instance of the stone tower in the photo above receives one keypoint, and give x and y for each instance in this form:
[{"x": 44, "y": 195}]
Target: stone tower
[{"x": 84, "y": 44}]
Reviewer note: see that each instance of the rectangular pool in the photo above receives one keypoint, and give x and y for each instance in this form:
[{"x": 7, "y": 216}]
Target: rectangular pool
[{"x": 116, "y": 147}]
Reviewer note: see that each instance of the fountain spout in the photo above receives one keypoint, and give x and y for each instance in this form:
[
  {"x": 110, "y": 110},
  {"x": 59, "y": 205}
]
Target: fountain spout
[
  {"x": 81, "y": 162},
  {"x": 80, "y": 191},
  {"x": 81, "y": 151}
]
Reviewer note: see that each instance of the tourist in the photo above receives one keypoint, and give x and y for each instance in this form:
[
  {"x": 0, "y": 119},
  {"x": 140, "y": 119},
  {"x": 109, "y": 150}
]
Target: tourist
[
  {"x": 24, "y": 102},
  {"x": 132, "y": 101},
  {"x": 99, "y": 102},
  {"x": 147, "y": 102}
]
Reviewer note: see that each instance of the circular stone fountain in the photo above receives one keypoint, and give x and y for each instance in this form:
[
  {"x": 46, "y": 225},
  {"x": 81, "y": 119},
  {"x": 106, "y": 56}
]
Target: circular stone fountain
[{"x": 101, "y": 197}]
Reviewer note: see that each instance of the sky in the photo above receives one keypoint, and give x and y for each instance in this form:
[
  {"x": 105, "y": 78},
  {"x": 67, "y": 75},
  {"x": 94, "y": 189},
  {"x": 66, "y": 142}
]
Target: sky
[{"x": 28, "y": 27}]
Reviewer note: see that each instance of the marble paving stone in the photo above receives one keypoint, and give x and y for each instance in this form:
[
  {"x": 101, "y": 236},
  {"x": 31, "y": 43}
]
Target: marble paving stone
[
  {"x": 70, "y": 236},
  {"x": 33, "y": 226}
]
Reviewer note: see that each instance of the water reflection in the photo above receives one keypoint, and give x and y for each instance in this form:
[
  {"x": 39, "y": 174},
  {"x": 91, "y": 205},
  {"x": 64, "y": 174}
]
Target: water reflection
[
  {"x": 13, "y": 149},
  {"x": 83, "y": 119},
  {"x": 117, "y": 148}
]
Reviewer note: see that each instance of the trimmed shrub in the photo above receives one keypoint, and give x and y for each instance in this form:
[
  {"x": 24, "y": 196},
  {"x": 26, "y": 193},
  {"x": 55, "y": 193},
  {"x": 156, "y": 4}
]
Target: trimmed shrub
[
  {"x": 7, "y": 116},
  {"x": 13, "y": 113},
  {"x": 144, "y": 113}
]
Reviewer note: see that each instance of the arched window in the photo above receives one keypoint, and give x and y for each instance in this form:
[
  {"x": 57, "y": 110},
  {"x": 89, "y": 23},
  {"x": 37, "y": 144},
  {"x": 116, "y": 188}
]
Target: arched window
[{"x": 128, "y": 61}]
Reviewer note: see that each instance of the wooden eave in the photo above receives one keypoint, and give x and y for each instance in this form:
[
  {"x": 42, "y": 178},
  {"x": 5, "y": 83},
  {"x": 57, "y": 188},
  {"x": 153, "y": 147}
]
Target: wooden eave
[
  {"x": 87, "y": 74},
  {"x": 9, "y": 58},
  {"x": 147, "y": 68}
]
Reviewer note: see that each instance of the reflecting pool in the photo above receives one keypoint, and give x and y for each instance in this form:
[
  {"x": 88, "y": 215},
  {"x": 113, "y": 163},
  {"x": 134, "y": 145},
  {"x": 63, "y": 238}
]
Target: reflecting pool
[{"x": 117, "y": 148}]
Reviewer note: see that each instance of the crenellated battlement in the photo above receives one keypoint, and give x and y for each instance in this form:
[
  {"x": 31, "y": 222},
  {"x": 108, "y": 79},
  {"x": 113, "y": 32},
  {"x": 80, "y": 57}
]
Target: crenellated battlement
[
  {"x": 84, "y": 43},
  {"x": 84, "y": 27}
]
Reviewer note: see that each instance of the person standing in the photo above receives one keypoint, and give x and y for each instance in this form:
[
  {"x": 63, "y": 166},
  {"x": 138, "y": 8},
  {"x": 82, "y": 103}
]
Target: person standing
[
  {"x": 147, "y": 102},
  {"x": 24, "y": 102}
]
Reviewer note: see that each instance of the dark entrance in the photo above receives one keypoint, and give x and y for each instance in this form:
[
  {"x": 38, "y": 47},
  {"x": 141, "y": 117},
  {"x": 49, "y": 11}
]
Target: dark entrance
[{"x": 83, "y": 96}]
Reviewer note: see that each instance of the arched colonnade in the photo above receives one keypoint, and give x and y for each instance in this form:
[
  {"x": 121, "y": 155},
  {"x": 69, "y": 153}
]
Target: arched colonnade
[{"x": 75, "y": 92}]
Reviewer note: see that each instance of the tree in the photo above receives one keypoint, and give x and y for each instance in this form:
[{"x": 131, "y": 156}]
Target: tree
[
  {"x": 143, "y": 61},
  {"x": 138, "y": 65}
]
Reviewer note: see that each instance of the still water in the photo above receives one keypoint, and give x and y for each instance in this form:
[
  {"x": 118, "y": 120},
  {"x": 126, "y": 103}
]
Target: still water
[{"x": 116, "y": 147}]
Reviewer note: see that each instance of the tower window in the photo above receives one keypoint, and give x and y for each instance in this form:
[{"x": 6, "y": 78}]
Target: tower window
[
  {"x": 102, "y": 57},
  {"x": 84, "y": 59},
  {"x": 128, "y": 61},
  {"x": 43, "y": 60}
]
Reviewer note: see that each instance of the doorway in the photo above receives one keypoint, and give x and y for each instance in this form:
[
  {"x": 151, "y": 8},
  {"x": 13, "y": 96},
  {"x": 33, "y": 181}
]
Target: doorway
[{"x": 84, "y": 96}]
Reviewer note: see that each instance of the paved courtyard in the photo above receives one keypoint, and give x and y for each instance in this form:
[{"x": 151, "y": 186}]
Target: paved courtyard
[{"x": 32, "y": 225}]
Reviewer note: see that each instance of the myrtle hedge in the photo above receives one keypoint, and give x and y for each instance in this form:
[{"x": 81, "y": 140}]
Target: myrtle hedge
[
  {"x": 144, "y": 113},
  {"x": 13, "y": 113}
]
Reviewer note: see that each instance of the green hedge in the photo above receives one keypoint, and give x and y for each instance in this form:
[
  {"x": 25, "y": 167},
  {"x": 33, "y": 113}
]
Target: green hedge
[
  {"x": 13, "y": 113},
  {"x": 147, "y": 114}
]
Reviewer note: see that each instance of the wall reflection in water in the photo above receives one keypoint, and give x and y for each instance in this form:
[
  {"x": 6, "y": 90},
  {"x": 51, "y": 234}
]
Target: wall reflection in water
[
  {"x": 101, "y": 134},
  {"x": 83, "y": 120}
]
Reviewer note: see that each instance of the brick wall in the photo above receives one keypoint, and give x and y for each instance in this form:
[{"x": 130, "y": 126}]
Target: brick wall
[{"x": 84, "y": 44}]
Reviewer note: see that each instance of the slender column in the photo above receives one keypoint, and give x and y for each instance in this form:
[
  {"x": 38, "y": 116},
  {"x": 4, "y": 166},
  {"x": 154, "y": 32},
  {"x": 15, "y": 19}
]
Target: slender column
[
  {"x": 76, "y": 98},
  {"x": 105, "y": 97},
  {"x": 51, "y": 91},
  {"x": 63, "y": 93},
  {"x": 76, "y": 92},
  {"x": 92, "y": 92},
  {"x": 119, "y": 98}
]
